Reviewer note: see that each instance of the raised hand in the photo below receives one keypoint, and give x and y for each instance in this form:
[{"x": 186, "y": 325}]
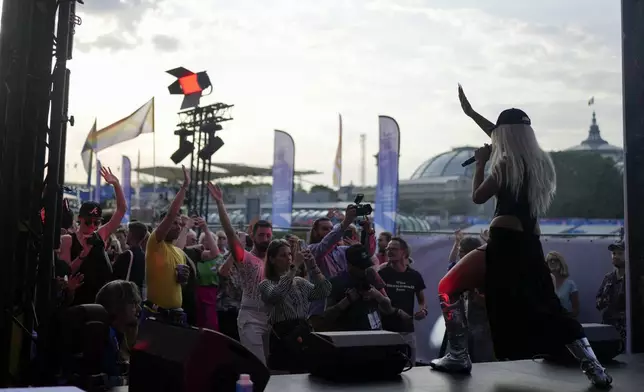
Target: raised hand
[
  {"x": 458, "y": 235},
  {"x": 200, "y": 223},
  {"x": 186, "y": 177},
  {"x": 482, "y": 154},
  {"x": 74, "y": 282},
  {"x": 485, "y": 235},
  {"x": 309, "y": 259},
  {"x": 465, "y": 104},
  {"x": 350, "y": 214},
  {"x": 187, "y": 222},
  {"x": 108, "y": 176},
  {"x": 215, "y": 192}
]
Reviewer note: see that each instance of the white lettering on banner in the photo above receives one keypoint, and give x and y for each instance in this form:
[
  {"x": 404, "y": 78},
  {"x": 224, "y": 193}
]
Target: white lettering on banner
[{"x": 281, "y": 197}]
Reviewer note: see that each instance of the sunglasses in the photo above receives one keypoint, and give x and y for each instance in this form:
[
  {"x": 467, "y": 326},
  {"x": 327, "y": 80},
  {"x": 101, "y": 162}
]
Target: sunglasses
[{"x": 92, "y": 222}]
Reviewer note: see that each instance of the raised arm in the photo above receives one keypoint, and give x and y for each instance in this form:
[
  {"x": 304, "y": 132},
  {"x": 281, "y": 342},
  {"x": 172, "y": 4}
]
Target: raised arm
[
  {"x": 121, "y": 205},
  {"x": 483, "y": 189},
  {"x": 272, "y": 292},
  {"x": 208, "y": 240},
  {"x": 481, "y": 121},
  {"x": 453, "y": 255},
  {"x": 173, "y": 212},
  {"x": 236, "y": 248},
  {"x": 320, "y": 287},
  {"x": 330, "y": 240}
]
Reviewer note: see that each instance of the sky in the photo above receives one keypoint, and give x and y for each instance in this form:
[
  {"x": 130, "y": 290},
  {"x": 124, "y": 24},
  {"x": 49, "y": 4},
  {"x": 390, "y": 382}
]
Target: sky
[{"x": 294, "y": 65}]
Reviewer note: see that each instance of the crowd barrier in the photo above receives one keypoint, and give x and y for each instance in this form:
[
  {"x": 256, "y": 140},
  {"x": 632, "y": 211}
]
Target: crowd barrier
[{"x": 588, "y": 261}]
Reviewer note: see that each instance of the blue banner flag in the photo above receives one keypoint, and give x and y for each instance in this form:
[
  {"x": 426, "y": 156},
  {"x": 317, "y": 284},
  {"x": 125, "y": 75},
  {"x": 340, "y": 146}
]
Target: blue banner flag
[
  {"x": 97, "y": 187},
  {"x": 283, "y": 175},
  {"x": 126, "y": 178},
  {"x": 387, "y": 189}
]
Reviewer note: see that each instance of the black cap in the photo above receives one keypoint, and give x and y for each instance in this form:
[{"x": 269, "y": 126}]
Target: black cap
[
  {"x": 90, "y": 209},
  {"x": 512, "y": 117},
  {"x": 358, "y": 256},
  {"x": 617, "y": 245}
]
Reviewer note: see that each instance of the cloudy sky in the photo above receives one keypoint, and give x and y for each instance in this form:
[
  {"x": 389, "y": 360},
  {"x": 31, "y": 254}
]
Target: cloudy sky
[{"x": 295, "y": 64}]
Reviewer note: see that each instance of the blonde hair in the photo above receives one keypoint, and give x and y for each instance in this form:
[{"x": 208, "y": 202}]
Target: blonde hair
[
  {"x": 516, "y": 154},
  {"x": 563, "y": 267}
]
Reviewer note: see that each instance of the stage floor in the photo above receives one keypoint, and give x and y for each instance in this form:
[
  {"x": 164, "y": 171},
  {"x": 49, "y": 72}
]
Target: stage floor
[{"x": 518, "y": 376}]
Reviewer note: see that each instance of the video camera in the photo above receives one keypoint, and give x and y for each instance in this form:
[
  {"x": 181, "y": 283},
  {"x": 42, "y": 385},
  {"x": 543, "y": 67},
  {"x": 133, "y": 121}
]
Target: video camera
[{"x": 362, "y": 209}]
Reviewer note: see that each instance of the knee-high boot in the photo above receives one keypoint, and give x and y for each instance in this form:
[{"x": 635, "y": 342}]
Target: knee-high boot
[
  {"x": 590, "y": 365},
  {"x": 456, "y": 359}
]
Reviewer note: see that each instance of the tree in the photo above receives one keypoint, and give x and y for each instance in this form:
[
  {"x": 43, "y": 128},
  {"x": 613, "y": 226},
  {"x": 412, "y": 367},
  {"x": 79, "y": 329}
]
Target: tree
[{"x": 588, "y": 186}]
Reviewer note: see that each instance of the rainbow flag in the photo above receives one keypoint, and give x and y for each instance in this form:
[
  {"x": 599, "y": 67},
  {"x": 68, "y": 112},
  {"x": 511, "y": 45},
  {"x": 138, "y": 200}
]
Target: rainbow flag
[
  {"x": 128, "y": 128},
  {"x": 87, "y": 153},
  {"x": 337, "y": 168}
]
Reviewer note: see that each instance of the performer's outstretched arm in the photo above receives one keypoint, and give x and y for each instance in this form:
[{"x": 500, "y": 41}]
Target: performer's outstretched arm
[{"x": 481, "y": 121}]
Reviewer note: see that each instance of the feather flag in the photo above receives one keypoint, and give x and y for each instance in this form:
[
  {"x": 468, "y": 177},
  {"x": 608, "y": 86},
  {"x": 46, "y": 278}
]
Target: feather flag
[
  {"x": 337, "y": 168},
  {"x": 128, "y": 128},
  {"x": 87, "y": 153}
]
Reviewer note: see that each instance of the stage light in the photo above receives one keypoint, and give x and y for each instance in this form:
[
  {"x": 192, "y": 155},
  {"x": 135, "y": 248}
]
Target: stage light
[
  {"x": 185, "y": 147},
  {"x": 213, "y": 143},
  {"x": 191, "y": 85}
]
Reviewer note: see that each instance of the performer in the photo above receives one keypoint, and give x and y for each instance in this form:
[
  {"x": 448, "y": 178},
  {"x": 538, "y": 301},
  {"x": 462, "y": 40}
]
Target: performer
[{"x": 526, "y": 318}]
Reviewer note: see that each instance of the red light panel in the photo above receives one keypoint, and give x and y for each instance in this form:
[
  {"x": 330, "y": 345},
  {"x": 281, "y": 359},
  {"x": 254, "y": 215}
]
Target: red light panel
[{"x": 190, "y": 84}]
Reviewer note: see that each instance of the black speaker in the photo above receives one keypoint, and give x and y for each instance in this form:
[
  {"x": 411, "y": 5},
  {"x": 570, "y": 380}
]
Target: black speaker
[
  {"x": 175, "y": 359},
  {"x": 357, "y": 355},
  {"x": 604, "y": 340}
]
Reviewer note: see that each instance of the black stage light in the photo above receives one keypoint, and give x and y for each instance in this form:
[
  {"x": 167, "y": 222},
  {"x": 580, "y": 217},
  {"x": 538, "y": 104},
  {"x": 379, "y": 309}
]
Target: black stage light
[
  {"x": 213, "y": 142},
  {"x": 185, "y": 149}
]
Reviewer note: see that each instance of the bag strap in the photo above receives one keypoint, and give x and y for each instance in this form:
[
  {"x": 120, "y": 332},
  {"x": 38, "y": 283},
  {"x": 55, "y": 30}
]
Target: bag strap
[{"x": 129, "y": 269}]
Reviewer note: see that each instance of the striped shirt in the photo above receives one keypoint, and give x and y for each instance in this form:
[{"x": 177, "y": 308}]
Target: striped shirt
[{"x": 291, "y": 296}]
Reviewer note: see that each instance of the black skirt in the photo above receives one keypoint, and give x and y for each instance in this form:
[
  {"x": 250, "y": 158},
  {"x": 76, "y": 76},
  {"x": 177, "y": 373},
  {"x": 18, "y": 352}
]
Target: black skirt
[{"x": 526, "y": 317}]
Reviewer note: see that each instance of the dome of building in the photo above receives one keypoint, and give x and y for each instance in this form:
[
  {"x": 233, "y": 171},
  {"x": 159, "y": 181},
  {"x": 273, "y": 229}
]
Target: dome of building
[
  {"x": 447, "y": 164},
  {"x": 595, "y": 143}
]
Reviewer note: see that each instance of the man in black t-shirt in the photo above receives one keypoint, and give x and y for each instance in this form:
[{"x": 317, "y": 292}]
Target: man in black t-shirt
[
  {"x": 405, "y": 285},
  {"x": 354, "y": 304}
]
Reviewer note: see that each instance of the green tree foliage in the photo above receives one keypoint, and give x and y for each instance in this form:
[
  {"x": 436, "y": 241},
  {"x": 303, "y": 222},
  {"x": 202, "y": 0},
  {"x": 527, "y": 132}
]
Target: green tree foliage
[{"x": 588, "y": 186}]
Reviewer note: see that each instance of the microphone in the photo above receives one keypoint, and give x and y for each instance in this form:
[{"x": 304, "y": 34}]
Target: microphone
[{"x": 468, "y": 162}]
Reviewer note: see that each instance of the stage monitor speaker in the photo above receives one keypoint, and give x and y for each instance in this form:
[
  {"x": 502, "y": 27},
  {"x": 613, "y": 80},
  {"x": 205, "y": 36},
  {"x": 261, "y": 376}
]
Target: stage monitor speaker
[
  {"x": 169, "y": 358},
  {"x": 604, "y": 340},
  {"x": 357, "y": 355}
]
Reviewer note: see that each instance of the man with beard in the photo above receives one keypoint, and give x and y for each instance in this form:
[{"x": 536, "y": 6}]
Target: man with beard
[
  {"x": 611, "y": 296},
  {"x": 253, "y": 313},
  {"x": 165, "y": 264}
]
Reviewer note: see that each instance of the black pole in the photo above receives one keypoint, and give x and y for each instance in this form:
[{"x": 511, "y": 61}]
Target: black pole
[
  {"x": 15, "y": 40},
  {"x": 633, "y": 103},
  {"x": 53, "y": 193}
]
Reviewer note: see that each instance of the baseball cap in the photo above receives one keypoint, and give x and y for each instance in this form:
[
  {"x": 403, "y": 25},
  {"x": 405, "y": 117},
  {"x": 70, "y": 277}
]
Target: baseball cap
[
  {"x": 358, "y": 256},
  {"x": 617, "y": 245},
  {"x": 512, "y": 116},
  {"x": 90, "y": 209}
]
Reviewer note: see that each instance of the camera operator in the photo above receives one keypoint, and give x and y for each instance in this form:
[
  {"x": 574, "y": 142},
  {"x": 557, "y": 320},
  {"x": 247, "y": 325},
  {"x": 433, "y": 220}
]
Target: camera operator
[
  {"x": 326, "y": 244},
  {"x": 88, "y": 244},
  {"x": 355, "y": 304}
]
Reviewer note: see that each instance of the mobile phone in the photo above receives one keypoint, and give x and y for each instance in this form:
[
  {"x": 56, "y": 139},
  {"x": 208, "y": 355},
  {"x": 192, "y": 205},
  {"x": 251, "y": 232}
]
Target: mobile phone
[
  {"x": 302, "y": 244},
  {"x": 348, "y": 233}
]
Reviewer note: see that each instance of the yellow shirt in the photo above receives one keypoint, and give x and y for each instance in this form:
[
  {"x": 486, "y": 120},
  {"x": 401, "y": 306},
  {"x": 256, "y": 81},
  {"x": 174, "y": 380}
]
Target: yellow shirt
[{"x": 161, "y": 261}]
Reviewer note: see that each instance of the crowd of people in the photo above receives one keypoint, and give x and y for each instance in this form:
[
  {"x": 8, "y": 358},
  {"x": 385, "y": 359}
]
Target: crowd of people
[{"x": 502, "y": 298}]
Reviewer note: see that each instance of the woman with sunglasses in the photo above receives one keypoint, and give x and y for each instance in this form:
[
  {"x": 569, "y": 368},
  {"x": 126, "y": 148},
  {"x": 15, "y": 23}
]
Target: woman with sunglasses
[{"x": 88, "y": 245}]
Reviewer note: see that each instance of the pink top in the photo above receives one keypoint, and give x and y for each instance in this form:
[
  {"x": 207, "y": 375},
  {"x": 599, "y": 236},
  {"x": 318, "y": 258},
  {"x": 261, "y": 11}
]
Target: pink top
[{"x": 251, "y": 273}]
